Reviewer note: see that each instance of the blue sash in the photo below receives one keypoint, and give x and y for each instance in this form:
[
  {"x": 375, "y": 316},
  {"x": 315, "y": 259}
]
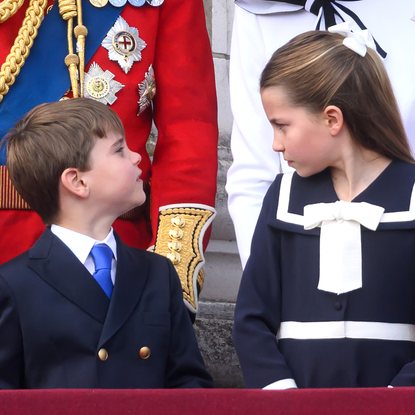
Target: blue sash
[{"x": 44, "y": 76}]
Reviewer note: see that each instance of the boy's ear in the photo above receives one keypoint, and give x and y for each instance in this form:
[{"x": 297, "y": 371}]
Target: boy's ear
[
  {"x": 334, "y": 119},
  {"x": 72, "y": 180}
]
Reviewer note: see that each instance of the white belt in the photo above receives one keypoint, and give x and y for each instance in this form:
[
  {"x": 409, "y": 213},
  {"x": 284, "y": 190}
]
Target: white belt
[{"x": 346, "y": 329}]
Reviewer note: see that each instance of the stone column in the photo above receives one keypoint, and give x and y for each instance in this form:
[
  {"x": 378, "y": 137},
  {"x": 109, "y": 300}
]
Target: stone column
[{"x": 223, "y": 269}]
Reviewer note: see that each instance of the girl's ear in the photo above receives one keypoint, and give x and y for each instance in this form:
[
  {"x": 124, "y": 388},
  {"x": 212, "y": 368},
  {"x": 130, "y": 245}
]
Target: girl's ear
[
  {"x": 334, "y": 119},
  {"x": 72, "y": 180}
]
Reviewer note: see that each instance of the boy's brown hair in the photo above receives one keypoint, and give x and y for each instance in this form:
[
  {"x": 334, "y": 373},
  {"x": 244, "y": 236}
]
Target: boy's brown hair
[
  {"x": 48, "y": 140},
  {"x": 316, "y": 70}
]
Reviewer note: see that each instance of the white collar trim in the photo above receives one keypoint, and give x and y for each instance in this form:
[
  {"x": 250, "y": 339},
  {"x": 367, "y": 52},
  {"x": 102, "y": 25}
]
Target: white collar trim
[{"x": 285, "y": 216}]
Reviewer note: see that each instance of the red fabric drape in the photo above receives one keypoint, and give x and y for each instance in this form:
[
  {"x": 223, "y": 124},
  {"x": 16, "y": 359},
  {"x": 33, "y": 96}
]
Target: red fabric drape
[{"x": 380, "y": 401}]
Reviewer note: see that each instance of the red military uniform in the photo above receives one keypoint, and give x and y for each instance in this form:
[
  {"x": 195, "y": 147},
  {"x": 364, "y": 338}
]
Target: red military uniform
[{"x": 183, "y": 171}]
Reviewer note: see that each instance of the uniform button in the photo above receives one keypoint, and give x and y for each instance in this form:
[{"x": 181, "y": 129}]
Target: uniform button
[
  {"x": 337, "y": 305},
  {"x": 145, "y": 352},
  {"x": 103, "y": 354}
]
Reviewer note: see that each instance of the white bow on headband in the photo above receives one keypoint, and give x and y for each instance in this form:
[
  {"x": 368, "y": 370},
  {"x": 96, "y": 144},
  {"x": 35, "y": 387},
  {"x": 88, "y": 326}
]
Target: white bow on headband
[{"x": 357, "y": 41}]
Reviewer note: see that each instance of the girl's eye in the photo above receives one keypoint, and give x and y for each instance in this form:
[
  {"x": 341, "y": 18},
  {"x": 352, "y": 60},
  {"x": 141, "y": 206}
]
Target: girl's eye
[
  {"x": 277, "y": 125},
  {"x": 120, "y": 150}
]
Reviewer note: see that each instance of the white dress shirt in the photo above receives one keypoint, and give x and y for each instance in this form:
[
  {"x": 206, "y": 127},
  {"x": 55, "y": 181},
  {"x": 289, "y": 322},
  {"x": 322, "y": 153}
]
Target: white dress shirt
[{"x": 81, "y": 246}]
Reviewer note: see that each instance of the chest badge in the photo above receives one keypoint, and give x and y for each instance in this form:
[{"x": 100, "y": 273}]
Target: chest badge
[
  {"x": 100, "y": 85},
  {"x": 123, "y": 44},
  {"x": 146, "y": 90}
]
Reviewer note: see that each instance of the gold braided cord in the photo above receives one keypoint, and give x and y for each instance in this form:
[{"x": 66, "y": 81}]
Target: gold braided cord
[
  {"x": 67, "y": 9},
  {"x": 22, "y": 45},
  {"x": 80, "y": 33},
  {"x": 70, "y": 9},
  {"x": 8, "y": 8}
]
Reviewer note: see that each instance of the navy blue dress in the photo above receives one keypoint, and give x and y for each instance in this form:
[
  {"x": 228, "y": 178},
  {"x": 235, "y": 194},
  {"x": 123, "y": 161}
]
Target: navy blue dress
[{"x": 364, "y": 338}]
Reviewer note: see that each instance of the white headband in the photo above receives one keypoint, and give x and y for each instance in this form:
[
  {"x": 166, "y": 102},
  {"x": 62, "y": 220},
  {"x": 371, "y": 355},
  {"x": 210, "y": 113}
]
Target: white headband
[{"x": 357, "y": 41}]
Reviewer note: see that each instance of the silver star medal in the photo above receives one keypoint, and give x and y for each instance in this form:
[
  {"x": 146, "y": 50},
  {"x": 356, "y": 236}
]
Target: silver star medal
[
  {"x": 147, "y": 90},
  {"x": 100, "y": 85},
  {"x": 136, "y": 3},
  {"x": 123, "y": 44}
]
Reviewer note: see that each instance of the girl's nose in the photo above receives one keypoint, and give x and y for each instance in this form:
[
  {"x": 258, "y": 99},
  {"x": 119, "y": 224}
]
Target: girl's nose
[{"x": 277, "y": 145}]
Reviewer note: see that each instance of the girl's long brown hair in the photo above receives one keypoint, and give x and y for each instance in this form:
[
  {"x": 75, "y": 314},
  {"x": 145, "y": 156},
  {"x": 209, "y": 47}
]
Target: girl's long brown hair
[{"x": 316, "y": 70}]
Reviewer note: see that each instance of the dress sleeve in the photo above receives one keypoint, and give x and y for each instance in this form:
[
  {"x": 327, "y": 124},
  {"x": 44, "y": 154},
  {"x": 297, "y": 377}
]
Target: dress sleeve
[
  {"x": 406, "y": 376},
  {"x": 254, "y": 165},
  {"x": 185, "y": 111},
  {"x": 258, "y": 306},
  {"x": 184, "y": 166}
]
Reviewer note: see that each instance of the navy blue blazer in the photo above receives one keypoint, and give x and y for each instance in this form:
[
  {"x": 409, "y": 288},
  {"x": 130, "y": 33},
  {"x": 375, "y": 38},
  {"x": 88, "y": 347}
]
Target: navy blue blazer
[
  {"x": 55, "y": 318},
  {"x": 286, "y": 328}
]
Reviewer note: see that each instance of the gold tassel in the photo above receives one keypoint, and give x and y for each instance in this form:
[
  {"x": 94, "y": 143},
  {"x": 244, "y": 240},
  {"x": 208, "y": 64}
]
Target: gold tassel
[{"x": 70, "y": 9}]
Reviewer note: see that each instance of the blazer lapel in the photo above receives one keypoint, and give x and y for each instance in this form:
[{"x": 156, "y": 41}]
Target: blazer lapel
[
  {"x": 55, "y": 263},
  {"x": 132, "y": 273}
]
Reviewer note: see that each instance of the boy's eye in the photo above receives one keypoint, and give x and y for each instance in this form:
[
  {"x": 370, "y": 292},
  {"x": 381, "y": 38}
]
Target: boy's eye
[{"x": 120, "y": 150}]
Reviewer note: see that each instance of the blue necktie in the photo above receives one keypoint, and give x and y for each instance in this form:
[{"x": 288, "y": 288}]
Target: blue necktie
[{"x": 102, "y": 255}]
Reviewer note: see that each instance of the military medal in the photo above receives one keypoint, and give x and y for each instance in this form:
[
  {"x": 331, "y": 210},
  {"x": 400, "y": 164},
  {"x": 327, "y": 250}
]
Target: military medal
[
  {"x": 98, "y": 3},
  {"x": 123, "y": 44},
  {"x": 118, "y": 3},
  {"x": 100, "y": 85},
  {"x": 146, "y": 90},
  {"x": 136, "y": 3}
]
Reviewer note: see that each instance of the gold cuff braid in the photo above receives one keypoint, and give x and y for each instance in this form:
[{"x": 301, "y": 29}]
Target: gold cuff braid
[{"x": 179, "y": 237}]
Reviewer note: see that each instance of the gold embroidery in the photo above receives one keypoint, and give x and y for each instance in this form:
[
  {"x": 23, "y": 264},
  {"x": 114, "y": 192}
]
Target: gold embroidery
[{"x": 178, "y": 238}]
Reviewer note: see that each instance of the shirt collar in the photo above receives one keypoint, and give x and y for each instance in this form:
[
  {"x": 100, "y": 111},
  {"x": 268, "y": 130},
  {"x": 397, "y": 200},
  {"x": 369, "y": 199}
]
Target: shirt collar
[{"x": 81, "y": 244}]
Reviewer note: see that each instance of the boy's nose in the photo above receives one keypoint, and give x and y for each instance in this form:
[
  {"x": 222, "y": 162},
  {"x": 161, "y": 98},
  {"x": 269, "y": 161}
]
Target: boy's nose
[{"x": 136, "y": 158}]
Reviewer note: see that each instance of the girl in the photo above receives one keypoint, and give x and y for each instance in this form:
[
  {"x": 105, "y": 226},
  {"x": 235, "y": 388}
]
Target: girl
[{"x": 327, "y": 296}]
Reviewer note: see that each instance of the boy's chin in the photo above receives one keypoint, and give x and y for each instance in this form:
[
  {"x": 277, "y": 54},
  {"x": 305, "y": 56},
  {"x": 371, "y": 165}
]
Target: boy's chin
[{"x": 135, "y": 209}]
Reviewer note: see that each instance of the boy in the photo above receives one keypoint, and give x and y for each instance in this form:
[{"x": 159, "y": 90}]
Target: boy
[{"x": 124, "y": 326}]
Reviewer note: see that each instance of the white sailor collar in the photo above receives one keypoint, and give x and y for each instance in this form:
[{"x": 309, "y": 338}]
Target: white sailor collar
[{"x": 393, "y": 190}]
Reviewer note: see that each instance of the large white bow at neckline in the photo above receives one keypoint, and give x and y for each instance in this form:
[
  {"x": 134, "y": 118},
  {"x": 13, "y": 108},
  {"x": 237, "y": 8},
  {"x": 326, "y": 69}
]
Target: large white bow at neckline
[{"x": 340, "y": 241}]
